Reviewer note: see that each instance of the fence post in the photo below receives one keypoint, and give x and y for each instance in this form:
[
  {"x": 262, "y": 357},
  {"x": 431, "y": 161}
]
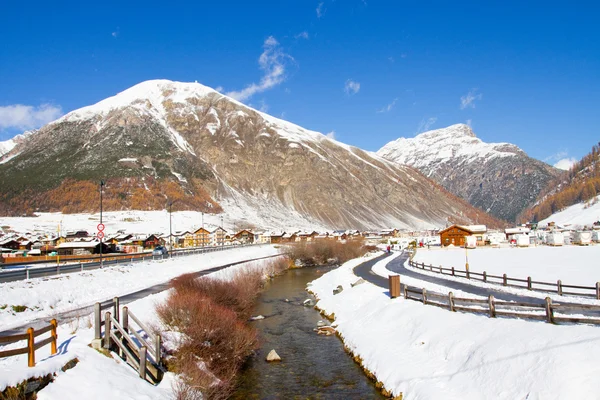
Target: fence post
[
  {"x": 30, "y": 348},
  {"x": 597, "y": 290},
  {"x": 528, "y": 283},
  {"x": 441, "y": 270},
  {"x": 484, "y": 276},
  {"x": 81, "y": 266},
  {"x": 452, "y": 271},
  {"x": 142, "y": 354},
  {"x": 116, "y": 308},
  {"x": 54, "y": 336},
  {"x": 451, "y": 300},
  {"x": 107, "y": 329},
  {"x": 394, "y": 286},
  {"x": 468, "y": 274},
  {"x": 98, "y": 318},
  {"x": 549, "y": 311},
  {"x": 504, "y": 280},
  {"x": 492, "y": 306},
  {"x": 424, "y": 296},
  {"x": 27, "y": 271},
  {"x": 157, "y": 344},
  {"x": 125, "y": 321},
  {"x": 559, "y": 287},
  {"x": 405, "y": 292}
]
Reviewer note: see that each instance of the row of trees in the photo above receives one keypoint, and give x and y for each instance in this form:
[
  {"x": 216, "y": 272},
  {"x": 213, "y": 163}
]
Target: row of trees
[{"x": 580, "y": 184}]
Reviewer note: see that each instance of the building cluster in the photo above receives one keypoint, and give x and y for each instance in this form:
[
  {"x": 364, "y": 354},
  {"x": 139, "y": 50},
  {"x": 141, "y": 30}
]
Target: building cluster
[
  {"x": 472, "y": 236},
  {"x": 83, "y": 243}
]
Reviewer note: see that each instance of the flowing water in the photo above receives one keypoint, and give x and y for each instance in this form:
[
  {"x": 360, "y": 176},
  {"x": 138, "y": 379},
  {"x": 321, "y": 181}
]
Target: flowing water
[{"x": 313, "y": 366}]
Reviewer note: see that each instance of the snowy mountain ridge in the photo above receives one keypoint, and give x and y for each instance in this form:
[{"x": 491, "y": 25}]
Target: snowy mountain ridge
[
  {"x": 432, "y": 149},
  {"x": 497, "y": 177}
]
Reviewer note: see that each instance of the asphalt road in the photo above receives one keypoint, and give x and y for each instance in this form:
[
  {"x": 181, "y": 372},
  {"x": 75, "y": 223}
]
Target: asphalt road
[
  {"x": 70, "y": 315},
  {"x": 397, "y": 266}
]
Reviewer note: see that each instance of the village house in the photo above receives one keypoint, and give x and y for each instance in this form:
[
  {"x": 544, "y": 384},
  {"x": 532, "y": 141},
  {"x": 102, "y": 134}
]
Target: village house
[
  {"x": 244, "y": 236},
  {"x": 217, "y": 237},
  {"x": 276, "y": 237},
  {"x": 456, "y": 235},
  {"x": 80, "y": 248},
  {"x": 288, "y": 237}
]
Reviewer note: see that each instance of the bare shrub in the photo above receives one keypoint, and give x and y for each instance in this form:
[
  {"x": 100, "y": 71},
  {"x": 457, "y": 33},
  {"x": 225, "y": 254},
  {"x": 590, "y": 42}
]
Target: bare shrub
[{"x": 320, "y": 251}]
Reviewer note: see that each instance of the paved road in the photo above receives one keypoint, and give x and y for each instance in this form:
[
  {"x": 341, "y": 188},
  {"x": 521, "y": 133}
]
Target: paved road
[
  {"x": 397, "y": 266},
  {"x": 70, "y": 315}
]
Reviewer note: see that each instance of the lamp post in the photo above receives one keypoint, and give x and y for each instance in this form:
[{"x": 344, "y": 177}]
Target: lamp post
[
  {"x": 101, "y": 233},
  {"x": 203, "y": 235},
  {"x": 222, "y": 233},
  {"x": 170, "y": 229}
]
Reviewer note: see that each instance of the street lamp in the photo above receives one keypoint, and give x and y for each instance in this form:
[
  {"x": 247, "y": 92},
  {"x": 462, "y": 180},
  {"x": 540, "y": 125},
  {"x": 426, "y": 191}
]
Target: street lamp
[
  {"x": 170, "y": 229},
  {"x": 101, "y": 232}
]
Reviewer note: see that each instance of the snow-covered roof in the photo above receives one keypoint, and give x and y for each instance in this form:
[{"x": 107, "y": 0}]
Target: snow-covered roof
[
  {"x": 77, "y": 245},
  {"x": 518, "y": 229}
]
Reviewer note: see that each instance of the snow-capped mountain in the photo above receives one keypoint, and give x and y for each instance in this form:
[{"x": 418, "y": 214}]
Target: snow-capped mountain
[
  {"x": 496, "y": 177},
  {"x": 162, "y": 141},
  {"x": 10, "y": 144}
]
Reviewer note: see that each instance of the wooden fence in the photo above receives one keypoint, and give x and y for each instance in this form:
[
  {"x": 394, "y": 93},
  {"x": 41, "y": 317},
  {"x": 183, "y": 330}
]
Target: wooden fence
[
  {"x": 543, "y": 311},
  {"x": 32, "y": 346},
  {"x": 551, "y": 287},
  {"x": 124, "y": 333}
]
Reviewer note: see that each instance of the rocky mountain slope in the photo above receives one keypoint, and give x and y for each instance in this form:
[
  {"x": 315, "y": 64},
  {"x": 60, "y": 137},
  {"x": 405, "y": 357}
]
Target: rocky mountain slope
[
  {"x": 163, "y": 141},
  {"x": 496, "y": 177}
]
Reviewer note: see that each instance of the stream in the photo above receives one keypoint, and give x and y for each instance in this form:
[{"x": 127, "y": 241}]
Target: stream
[{"x": 313, "y": 366}]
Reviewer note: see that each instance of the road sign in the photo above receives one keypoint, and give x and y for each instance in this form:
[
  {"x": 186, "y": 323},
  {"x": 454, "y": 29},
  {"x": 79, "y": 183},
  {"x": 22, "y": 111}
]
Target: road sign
[
  {"x": 100, "y": 235},
  {"x": 100, "y": 227}
]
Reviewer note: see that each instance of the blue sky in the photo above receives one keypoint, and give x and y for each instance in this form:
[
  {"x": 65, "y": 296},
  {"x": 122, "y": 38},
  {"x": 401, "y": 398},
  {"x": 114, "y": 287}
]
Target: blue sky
[{"x": 527, "y": 73}]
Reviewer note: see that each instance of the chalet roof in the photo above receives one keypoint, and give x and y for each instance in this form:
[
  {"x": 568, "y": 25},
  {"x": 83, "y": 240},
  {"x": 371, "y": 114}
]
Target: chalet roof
[
  {"x": 518, "y": 229},
  {"x": 464, "y": 228},
  {"x": 477, "y": 228},
  {"x": 77, "y": 245}
]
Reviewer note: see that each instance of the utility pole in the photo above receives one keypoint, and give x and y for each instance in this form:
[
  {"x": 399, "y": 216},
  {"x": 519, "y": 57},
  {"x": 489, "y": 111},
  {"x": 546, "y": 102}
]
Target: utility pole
[
  {"x": 170, "y": 229},
  {"x": 101, "y": 233},
  {"x": 222, "y": 232},
  {"x": 203, "y": 234}
]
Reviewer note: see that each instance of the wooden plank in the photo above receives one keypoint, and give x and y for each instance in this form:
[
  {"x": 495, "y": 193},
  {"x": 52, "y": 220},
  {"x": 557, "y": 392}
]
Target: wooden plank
[
  {"x": 141, "y": 339},
  {"x": 130, "y": 356},
  {"x": 43, "y": 330},
  {"x": 125, "y": 334},
  {"x": 468, "y": 300},
  {"x": 578, "y": 320},
  {"x": 520, "y": 315},
  {"x": 14, "y": 352},
  {"x": 518, "y": 304},
  {"x": 43, "y": 342},
  {"x": 141, "y": 325},
  {"x": 576, "y": 307},
  {"x": 13, "y": 338},
  {"x": 591, "y": 288},
  {"x": 437, "y": 295}
]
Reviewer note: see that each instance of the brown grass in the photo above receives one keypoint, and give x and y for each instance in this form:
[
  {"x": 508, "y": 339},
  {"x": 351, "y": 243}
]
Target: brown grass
[
  {"x": 322, "y": 251},
  {"x": 211, "y": 314}
]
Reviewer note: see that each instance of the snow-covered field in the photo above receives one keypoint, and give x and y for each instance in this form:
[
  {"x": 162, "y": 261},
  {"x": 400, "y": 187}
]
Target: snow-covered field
[
  {"x": 573, "y": 265},
  {"x": 577, "y": 215},
  {"x": 96, "y": 376},
  {"x": 46, "y": 297},
  {"x": 426, "y": 352}
]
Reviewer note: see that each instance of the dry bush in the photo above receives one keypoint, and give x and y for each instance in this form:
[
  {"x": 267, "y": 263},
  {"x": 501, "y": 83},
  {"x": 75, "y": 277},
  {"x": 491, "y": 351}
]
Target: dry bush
[{"x": 320, "y": 251}]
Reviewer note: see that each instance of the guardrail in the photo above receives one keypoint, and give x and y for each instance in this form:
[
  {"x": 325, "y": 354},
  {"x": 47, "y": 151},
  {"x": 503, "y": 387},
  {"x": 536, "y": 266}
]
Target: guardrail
[
  {"x": 32, "y": 346},
  {"x": 543, "y": 311},
  {"x": 562, "y": 289},
  {"x": 11, "y": 275}
]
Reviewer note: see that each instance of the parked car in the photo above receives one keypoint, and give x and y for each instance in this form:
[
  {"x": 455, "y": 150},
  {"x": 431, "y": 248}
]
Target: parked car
[{"x": 159, "y": 251}]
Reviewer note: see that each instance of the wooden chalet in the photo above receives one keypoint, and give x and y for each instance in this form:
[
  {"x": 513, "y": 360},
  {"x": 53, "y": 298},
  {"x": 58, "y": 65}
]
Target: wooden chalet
[
  {"x": 454, "y": 235},
  {"x": 276, "y": 237},
  {"x": 217, "y": 237},
  {"x": 244, "y": 236}
]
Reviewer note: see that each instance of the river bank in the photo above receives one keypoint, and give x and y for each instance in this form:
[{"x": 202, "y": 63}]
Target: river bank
[{"x": 424, "y": 352}]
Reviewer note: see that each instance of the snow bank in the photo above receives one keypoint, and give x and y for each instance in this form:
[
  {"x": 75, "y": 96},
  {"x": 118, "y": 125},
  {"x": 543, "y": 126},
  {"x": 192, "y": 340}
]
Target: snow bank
[
  {"x": 577, "y": 215},
  {"x": 426, "y": 352},
  {"x": 46, "y": 297}
]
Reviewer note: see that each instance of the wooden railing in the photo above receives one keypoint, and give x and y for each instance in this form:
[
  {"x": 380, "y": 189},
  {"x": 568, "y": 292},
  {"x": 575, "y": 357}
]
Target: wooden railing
[
  {"x": 543, "y": 311},
  {"x": 120, "y": 335},
  {"x": 560, "y": 288},
  {"x": 32, "y": 346}
]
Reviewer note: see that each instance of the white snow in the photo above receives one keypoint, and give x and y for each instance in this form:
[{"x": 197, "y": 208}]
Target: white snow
[
  {"x": 46, "y": 297},
  {"x": 577, "y": 215},
  {"x": 574, "y": 265},
  {"x": 128, "y": 159},
  {"x": 426, "y": 352}
]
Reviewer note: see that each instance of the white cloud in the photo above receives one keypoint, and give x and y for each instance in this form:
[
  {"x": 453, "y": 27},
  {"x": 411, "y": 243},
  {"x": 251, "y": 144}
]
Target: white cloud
[
  {"x": 470, "y": 123},
  {"x": 20, "y": 116},
  {"x": 351, "y": 87},
  {"x": 565, "y": 163},
  {"x": 331, "y": 135},
  {"x": 389, "y": 107},
  {"x": 469, "y": 99},
  {"x": 264, "y": 107},
  {"x": 273, "y": 62},
  {"x": 301, "y": 35},
  {"x": 115, "y": 34},
  {"x": 320, "y": 10},
  {"x": 219, "y": 89},
  {"x": 425, "y": 124}
]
